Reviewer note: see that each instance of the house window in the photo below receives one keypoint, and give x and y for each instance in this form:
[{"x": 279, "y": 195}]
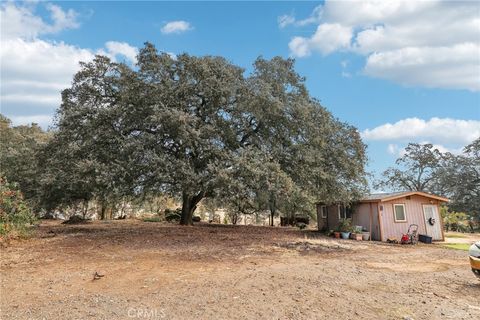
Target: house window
[
  {"x": 323, "y": 212},
  {"x": 342, "y": 213},
  {"x": 399, "y": 212},
  {"x": 349, "y": 212}
]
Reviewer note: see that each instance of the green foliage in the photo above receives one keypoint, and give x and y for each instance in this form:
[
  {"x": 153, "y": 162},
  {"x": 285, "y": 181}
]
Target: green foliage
[
  {"x": 453, "y": 235},
  {"x": 424, "y": 168},
  {"x": 455, "y": 221},
  {"x": 19, "y": 146},
  {"x": 195, "y": 128},
  {"x": 458, "y": 246},
  {"x": 301, "y": 225},
  {"x": 345, "y": 225},
  {"x": 416, "y": 170},
  {"x": 15, "y": 215},
  {"x": 459, "y": 180},
  {"x": 173, "y": 215}
]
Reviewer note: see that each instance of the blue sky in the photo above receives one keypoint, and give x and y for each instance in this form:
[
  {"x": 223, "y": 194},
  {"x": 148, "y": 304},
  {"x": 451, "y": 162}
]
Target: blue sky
[{"x": 400, "y": 72}]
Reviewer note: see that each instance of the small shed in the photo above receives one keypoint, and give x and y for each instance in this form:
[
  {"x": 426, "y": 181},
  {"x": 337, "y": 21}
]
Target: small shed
[{"x": 388, "y": 215}]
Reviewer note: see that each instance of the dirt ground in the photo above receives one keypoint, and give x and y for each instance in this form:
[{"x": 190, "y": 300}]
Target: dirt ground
[{"x": 163, "y": 271}]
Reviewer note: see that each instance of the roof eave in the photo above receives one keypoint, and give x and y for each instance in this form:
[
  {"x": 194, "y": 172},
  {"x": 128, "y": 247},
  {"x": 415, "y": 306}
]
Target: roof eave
[{"x": 419, "y": 193}]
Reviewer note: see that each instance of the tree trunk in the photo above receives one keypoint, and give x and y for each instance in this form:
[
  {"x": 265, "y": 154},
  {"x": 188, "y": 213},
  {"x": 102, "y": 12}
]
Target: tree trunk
[
  {"x": 273, "y": 208},
  {"x": 85, "y": 209},
  {"x": 189, "y": 204},
  {"x": 103, "y": 211}
]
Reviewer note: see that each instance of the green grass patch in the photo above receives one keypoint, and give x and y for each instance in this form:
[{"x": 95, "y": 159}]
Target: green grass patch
[
  {"x": 455, "y": 235},
  {"x": 458, "y": 246},
  {"x": 152, "y": 219}
]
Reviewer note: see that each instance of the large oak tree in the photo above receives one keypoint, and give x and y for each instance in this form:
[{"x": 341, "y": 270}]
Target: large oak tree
[{"x": 193, "y": 127}]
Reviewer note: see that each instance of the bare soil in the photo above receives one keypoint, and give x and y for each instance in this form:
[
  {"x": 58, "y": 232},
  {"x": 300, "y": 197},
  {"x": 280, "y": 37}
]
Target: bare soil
[{"x": 162, "y": 271}]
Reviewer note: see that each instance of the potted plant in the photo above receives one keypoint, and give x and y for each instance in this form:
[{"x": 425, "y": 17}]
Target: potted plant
[
  {"x": 365, "y": 235},
  {"x": 345, "y": 228},
  {"x": 358, "y": 237},
  {"x": 336, "y": 233}
]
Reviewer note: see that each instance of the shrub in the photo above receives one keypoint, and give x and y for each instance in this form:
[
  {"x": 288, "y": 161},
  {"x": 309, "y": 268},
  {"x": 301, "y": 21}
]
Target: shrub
[
  {"x": 301, "y": 225},
  {"x": 16, "y": 216},
  {"x": 345, "y": 225},
  {"x": 173, "y": 215}
]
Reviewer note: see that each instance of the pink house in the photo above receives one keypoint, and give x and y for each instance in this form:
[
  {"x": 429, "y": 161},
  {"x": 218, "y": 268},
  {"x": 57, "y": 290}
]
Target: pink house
[{"x": 388, "y": 215}]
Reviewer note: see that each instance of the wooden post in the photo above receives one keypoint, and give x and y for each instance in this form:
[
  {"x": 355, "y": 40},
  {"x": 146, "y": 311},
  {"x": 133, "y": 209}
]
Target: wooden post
[
  {"x": 371, "y": 217},
  {"x": 380, "y": 219}
]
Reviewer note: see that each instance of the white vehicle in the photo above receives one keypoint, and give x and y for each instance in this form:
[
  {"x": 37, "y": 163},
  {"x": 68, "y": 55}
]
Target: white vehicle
[{"x": 474, "y": 253}]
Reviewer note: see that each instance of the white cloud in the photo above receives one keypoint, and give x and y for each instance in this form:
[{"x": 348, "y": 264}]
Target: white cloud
[
  {"x": 38, "y": 70},
  {"x": 399, "y": 151},
  {"x": 285, "y": 20},
  {"x": 179, "y": 26},
  {"x": 122, "y": 48},
  {"x": 62, "y": 19},
  {"x": 327, "y": 38},
  {"x": 300, "y": 47},
  {"x": 427, "y": 43},
  {"x": 20, "y": 21},
  {"x": 345, "y": 72},
  {"x": 436, "y": 130},
  {"x": 289, "y": 19},
  {"x": 393, "y": 148},
  {"x": 445, "y": 149},
  {"x": 456, "y": 67}
]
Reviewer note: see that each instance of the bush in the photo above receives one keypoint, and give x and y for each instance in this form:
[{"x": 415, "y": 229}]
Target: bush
[
  {"x": 301, "y": 225},
  {"x": 16, "y": 217},
  {"x": 173, "y": 215},
  {"x": 345, "y": 225},
  {"x": 294, "y": 220}
]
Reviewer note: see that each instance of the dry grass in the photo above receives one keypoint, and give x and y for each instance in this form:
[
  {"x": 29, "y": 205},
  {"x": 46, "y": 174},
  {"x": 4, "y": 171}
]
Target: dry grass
[{"x": 165, "y": 271}]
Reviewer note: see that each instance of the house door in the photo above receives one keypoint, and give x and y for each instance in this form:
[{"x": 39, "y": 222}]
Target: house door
[{"x": 432, "y": 221}]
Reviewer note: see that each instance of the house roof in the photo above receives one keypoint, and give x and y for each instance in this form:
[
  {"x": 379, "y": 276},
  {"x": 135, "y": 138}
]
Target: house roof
[{"x": 382, "y": 197}]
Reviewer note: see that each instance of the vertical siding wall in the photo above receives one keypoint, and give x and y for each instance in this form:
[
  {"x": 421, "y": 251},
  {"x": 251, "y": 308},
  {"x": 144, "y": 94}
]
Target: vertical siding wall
[
  {"x": 332, "y": 218},
  {"x": 414, "y": 214},
  {"x": 361, "y": 217},
  {"x": 321, "y": 222}
]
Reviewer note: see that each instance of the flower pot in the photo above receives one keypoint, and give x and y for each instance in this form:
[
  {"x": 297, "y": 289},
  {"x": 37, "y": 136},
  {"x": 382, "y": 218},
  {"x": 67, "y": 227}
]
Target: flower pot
[
  {"x": 358, "y": 236},
  {"x": 337, "y": 235},
  {"x": 345, "y": 235},
  {"x": 366, "y": 236}
]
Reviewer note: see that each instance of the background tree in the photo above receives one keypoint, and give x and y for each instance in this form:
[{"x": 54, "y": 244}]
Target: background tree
[
  {"x": 424, "y": 168},
  {"x": 305, "y": 149},
  {"x": 453, "y": 220},
  {"x": 15, "y": 214},
  {"x": 19, "y": 146},
  {"x": 184, "y": 127},
  {"x": 459, "y": 179},
  {"x": 86, "y": 159},
  {"x": 417, "y": 170}
]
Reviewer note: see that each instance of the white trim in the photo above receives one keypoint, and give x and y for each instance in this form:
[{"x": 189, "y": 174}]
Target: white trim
[
  {"x": 340, "y": 212},
  {"x": 395, "y": 212},
  {"x": 322, "y": 212}
]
